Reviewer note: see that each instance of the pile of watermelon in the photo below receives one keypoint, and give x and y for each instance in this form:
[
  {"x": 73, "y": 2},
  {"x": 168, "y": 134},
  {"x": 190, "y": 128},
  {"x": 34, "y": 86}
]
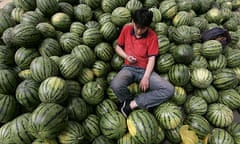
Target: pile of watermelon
[{"x": 57, "y": 60}]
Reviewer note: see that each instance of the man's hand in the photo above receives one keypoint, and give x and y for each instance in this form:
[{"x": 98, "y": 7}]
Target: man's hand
[
  {"x": 131, "y": 59},
  {"x": 144, "y": 84}
]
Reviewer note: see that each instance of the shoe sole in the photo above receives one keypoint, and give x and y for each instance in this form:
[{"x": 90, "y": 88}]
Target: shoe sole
[{"x": 124, "y": 114}]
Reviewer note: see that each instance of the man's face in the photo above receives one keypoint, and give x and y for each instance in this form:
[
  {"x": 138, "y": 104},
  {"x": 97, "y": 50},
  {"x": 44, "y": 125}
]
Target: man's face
[{"x": 139, "y": 30}]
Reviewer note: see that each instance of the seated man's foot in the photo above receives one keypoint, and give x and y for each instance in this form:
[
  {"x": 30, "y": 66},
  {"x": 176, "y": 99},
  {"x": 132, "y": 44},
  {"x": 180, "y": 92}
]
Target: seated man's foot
[{"x": 125, "y": 109}]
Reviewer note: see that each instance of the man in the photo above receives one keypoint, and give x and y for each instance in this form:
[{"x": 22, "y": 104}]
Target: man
[
  {"x": 217, "y": 33},
  {"x": 138, "y": 45}
]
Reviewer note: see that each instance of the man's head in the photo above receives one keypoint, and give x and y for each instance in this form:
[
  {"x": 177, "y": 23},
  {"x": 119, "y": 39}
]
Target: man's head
[{"x": 142, "y": 19}]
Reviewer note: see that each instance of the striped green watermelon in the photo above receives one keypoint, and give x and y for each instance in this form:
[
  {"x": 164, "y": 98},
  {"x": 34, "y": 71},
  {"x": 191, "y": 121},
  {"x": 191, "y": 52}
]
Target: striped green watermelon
[
  {"x": 45, "y": 141},
  {"x": 198, "y": 124},
  {"x": 198, "y": 62},
  {"x": 210, "y": 94},
  {"x": 142, "y": 126},
  {"x": 25, "y": 74},
  {"x": 180, "y": 95},
  {"x": 24, "y": 56},
  {"x": 91, "y": 126},
  {"x": 18, "y": 129},
  {"x": 105, "y": 106},
  {"x": 93, "y": 24},
  {"x": 61, "y": 21},
  {"x": 53, "y": 89},
  {"x": 164, "y": 44},
  {"x": 83, "y": 13},
  {"x": 113, "y": 125},
  {"x": 109, "y": 31},
  {"x": 6, "y": 55},
  {"x": 217, "y": 63},
  {"x": 6, "y": 21},
  {"x": 92, "y": 36},
  {"x": 161, "y": 28},
  {"x": 179, "y": 74},
  {"x": 69, "y": 41},
  {"x": 199, "y": 22},
  {"x": 7, "y": 38},
  {"x": 9, "y": 81},
  {"x": 230, "y": 98},
  {"x": 211, "y": 49},
  {"x": 220, "y": 136},
  {"x": 182, "y": 34},
  {"x": 214, "y": 15},
  {"x": 86, "y": 75},
  {"x": 25, "y": 4},
  {"x": 126, "y": 139},
  {"x": 232, "y": 57},
  {"x": 104, "y": 18},
  {"x": 92, "y": 92},
  {"x": 168, "y": 115},
  {"x": 182, "y": 18},
  {"x": 164, "y": 63},
  {"x": 234, "y": 130},
  {"x": 9, "y": 108},
  {"x": 219, "y": 115},
  {"x": 100, "y": 68},
  {"x": 133, "y": 5},
  {"x": 43, "y": 67},
  {"x": 70, "y": 66},
  {"x": 85, "y": 54},
  {"x": 73, "y": 133},
  {"x": 31, "y": 17},
  {"x": 5, "y": 133},
  {"x": 109, "y": 5},
  {"x": 116, "y": 62},
  {"x": 157, "y": 16},
  {"x": 50, "y": 47},
  {"x": 151, "y": 3},
  {"x": 78, "y": 28},
  {"x": 195, "y": 105},
  {"x": 76, "y": 108},
  {"x": 225, "y": 79},
  {"x": 168, "y": 8},
  {"x": 201, "y": 77},
  {"x": 104, "y": 51},
  {"x": 66, "y": 8},
  {"x": 46, "y": 29},
  {"x": 26, "y": 35},
  {"x": 47, "y": 121},
  {"x": 121, "y": 16},
  {"x": 173, "y": 135},
  {"x": 73, "y": 88},
  {"x": 102, "y": 140},
  {"x": 48, "y": 8},
  {"x": 27, "y": 94},
  {"x": 183, "y": 53}
]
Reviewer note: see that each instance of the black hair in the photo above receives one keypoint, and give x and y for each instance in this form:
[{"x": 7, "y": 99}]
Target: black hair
[{"x": 142, "y": 17}]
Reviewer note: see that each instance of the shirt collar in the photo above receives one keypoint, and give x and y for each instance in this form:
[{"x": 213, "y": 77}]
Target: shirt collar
[{"x": 144, "y": 35}]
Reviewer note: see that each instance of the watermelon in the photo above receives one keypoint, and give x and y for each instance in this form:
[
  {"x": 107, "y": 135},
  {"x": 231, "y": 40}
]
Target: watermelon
[
  {"x": 18, "y": 129},
  {"x": 180, "y": 95},
  {"x": 181, "y": 18},
  {"x": 168, "y": 115},
  {"x": 83, "y": 13},
  {"x": 46, "y": 29},
  {"x": 217, "y": 63},
  {"x": 76, "y": 108},
  {"x": 121, "y": 16},
  {"x": 126, "y": 139},
  {"x": 179, "y": 74},
  {"x": 168, "y": 8},
  {"x": 195, "y": 105},
  {"x": 9, "y": 81},
  {"x": 219, "y": 115},
  {"x": 6, "y": 21},
  {"x": 31, "y": 17},
  {"x": 105, "y": 106},
  {"x": 91, "y": 127},
  {"x": 61, "y": 21},
  {"x": 109, "y": 31},
  {"x": 73, "y": 133},
  {"x": 68, "y": 41},
  {"x": 53, "y": 90},
  {"x": 102, "y": 140},
  {"x": 78, "y": 28},
  {"x": 66, "y": 8},
  {"x": 211, "y": 49},
  {"x": 27, "y": 94},
  {"x": 73, "y": 88},
  {"x": 70, "y": 66},
  {"x": 210, "y": 94},
  {"x": 86, "y": 75},
  {"x": 230, "y": 98},
  {"x": 47, "y": 121},
  {"x": 48, "y": 8},
  {"x": 6, "y": 55},
  {"x": 173, "y": 135},
  {"x": 218, "y": 135},
  {"x": 201, "y": 78},
  {"x": 92, "y": 92},
  {"x": 113, "y": 125},
  {"x": 164, "y": 63},
  {"x": 50, "y": 47},
  {"x": 198, "y": 124},
  {"x": 142, "y": 126},
  {"x": 5, "y": 133},
  {"x": 43, "y": 67},
  {"x": 26, "y": 35},
  {"x": 133, "y": 5},
  {"x": 183, "y": 53},
  {"x": 233, "y": 130},
  {"x": 104, "y": 51},
  {"x": 25, "y": 4},
  {"x": 92, "y": 36}
]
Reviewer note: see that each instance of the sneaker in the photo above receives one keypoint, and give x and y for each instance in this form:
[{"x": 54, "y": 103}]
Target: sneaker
[{"x": 125, "y": 109}]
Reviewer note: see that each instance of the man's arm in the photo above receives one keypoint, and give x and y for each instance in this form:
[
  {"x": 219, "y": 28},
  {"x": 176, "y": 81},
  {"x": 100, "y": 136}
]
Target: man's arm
[
  {"x": 144, "y": 84},
  {"x": 122, "y": 53}
]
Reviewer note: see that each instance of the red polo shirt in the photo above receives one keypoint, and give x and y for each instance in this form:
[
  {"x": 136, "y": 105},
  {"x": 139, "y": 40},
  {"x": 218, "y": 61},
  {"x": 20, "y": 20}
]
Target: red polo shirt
[{"x": 141, "y": 48}]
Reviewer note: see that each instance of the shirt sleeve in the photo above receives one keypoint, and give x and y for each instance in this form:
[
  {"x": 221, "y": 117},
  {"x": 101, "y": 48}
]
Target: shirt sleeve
[
  {"x": 121, "y": 37},
  {"x": 153, "y": 49}
]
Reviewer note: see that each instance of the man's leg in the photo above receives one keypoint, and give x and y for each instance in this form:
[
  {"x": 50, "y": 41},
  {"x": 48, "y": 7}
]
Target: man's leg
[
  {"x": 120, "y": 83},
  {"x": 160, "y": 90}
]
